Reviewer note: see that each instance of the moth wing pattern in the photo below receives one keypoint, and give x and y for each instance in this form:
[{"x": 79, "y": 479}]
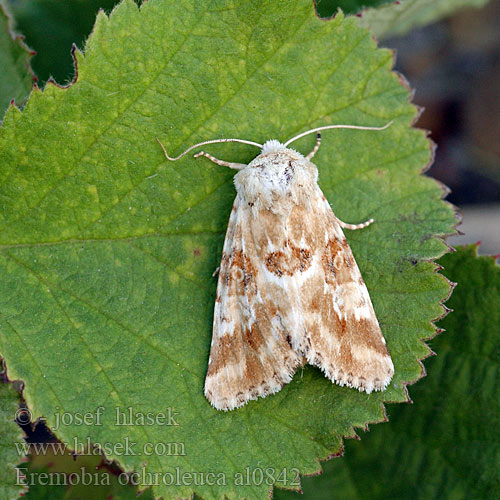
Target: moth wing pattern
[
  {"x": 342, "y": 334},
  {"x": 289, "y": 289},
  {"x": 315, "y": 287},
  {"x": 250, "y": 355}
]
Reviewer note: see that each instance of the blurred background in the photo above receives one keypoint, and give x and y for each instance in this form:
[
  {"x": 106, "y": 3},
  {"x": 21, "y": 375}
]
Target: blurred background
[{"x": 454, "y": 68}]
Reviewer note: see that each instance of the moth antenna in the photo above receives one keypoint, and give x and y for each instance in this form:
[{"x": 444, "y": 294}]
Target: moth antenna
[
  {"x": 316, "y": 146},
  {"x": 213, "y": 141},
  {"x": 326, "y": 127}
]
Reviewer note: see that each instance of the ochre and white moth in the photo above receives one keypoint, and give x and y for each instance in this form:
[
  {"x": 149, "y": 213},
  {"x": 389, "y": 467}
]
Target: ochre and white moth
[{"x": 289, "y": 289}]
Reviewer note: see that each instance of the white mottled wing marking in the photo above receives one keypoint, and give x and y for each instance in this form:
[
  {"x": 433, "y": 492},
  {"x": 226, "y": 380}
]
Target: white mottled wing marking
[
  {"x": 322, "y": 300},
  {"x": 249, "y": 355},
  {"x": 342, "y": 333}
]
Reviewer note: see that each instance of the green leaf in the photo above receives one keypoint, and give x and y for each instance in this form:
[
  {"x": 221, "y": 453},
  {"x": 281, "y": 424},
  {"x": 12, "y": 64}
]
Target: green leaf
[
  {"x": 107, "y": 250},
  {"x": 399, "y": 18},
  {"x": 10, "y": 434},
  {"x": 328, "y": 8},
  {"x": 445, "y": 445},
  {"x": 51, "y": 27},
  {"x": 16, "y": 77}
]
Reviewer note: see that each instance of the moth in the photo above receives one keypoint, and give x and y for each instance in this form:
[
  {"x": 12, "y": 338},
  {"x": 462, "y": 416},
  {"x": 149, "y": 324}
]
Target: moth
[{"x": 289, "y": 290}]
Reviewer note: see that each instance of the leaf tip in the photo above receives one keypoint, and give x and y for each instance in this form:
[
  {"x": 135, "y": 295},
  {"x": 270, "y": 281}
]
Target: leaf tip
[{"x": 122, "y": 7}]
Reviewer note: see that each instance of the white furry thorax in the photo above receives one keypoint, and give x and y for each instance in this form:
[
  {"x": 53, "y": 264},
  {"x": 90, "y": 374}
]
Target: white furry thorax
[{"x": 277, "y": 179}]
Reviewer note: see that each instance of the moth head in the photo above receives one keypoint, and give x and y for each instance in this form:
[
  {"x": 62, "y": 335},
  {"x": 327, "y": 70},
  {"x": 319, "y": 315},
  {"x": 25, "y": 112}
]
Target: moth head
[
  {"x": 272, "y": 146},
  {"x": 277, "y": 173},
  {"x": 277, "y": 179},
  {"x": 275, "y": 154},
  {"x": 276, "y": 168}
]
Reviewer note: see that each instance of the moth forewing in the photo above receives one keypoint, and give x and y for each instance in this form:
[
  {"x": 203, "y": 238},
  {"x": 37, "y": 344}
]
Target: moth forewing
[
  {"x": 345, "y": 338},
  {"x": 249, "y": 355}
]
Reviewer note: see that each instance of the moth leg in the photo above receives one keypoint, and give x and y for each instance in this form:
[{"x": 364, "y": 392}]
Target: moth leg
[
  {"x": 345, "y": 225},
  {"x": 216, "y": 272},
  {"x": 222, "y": 163},
  {"x": 316, "y": 147}
]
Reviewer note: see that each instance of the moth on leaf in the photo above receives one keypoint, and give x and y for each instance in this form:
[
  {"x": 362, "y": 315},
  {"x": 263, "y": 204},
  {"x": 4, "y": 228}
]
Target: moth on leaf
[{"x": 289, "y": 290}]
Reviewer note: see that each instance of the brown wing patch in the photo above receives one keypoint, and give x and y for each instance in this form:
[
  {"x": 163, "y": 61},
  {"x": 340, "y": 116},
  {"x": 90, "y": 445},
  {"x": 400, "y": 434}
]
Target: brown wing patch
[
  {"x": 238, "y": 268},
  {"x": 345, "y": 339},
  {"x": 337, "y": 261},
  {"x": 250, "y": 355},
  {"x": 289, "y": 260}
]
